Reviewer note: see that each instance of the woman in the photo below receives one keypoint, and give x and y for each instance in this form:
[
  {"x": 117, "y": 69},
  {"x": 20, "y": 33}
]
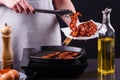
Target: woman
[{"x": 31, "y": 30}]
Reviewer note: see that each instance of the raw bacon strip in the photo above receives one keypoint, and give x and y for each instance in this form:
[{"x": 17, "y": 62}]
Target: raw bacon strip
[
  {"x": 71, "y": 56},
  {"x": 51, "y": 55},
  {"x": 63, "y": 54}
]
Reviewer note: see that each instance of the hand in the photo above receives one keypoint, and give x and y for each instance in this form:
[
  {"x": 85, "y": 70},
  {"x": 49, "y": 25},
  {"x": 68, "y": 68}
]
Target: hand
[{"x": 18, "y": 5}]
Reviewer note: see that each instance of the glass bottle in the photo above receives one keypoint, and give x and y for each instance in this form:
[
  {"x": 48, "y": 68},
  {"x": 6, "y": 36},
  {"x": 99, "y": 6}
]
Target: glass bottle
[
  {"x": 106, "y": 45},
  {"x": 106, "y": 76}
]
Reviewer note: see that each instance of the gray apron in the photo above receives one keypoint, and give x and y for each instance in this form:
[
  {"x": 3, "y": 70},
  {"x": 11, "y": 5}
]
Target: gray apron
[{"x": 32, "y": 30}]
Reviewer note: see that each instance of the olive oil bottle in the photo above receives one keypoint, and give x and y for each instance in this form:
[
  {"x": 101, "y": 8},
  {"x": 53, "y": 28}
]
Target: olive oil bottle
[{"x": 106, "y": 45}]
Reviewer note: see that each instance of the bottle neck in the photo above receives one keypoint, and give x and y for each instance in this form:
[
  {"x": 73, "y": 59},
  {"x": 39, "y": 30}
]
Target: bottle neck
[
  {"x": 107, "y": 29},
  {"x": 106, "y": 19}
]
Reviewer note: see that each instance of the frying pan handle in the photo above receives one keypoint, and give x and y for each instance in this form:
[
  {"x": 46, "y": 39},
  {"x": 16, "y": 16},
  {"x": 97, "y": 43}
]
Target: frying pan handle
[{"x": 67, "y": 41}]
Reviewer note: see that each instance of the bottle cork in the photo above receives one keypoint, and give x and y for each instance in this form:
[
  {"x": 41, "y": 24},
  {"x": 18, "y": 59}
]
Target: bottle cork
[{"x": 7, "y": 53}]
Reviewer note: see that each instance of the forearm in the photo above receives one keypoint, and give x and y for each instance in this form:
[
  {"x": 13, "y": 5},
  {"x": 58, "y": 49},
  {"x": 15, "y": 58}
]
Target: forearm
[{"x": 64, "y": 4}]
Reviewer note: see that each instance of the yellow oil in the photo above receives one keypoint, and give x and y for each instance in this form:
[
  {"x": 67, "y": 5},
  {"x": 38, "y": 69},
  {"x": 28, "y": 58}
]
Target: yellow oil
[{"x": 106, "y": 55}]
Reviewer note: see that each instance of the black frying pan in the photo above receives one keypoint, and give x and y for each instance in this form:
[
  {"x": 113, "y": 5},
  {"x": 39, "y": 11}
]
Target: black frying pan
[
  {"x": 37, "y": 68},
  {"x": 36, "y": 53}
]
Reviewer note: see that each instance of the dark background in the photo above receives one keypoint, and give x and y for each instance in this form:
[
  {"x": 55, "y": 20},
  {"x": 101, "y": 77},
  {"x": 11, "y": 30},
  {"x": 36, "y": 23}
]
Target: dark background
[{"x": 91, "y": 9}]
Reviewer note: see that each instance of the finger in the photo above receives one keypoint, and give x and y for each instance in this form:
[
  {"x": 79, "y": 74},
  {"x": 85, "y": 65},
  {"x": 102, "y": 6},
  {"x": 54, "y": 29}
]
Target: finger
[
  {"x": 15, "y": 8},
  {"x": 29, "y": 6},
  {"x": 19, "y": 7},
  {"x": 25, "y": 8},
  {"x": 31, "y": 9}
]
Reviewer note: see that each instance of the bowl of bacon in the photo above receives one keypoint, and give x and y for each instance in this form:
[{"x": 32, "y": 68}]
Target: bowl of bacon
[{"x": 82, "y": 30}]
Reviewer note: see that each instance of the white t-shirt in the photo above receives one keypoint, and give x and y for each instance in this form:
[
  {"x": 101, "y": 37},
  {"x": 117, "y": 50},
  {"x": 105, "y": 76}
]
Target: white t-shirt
[{"x": 32, "y": 30}]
